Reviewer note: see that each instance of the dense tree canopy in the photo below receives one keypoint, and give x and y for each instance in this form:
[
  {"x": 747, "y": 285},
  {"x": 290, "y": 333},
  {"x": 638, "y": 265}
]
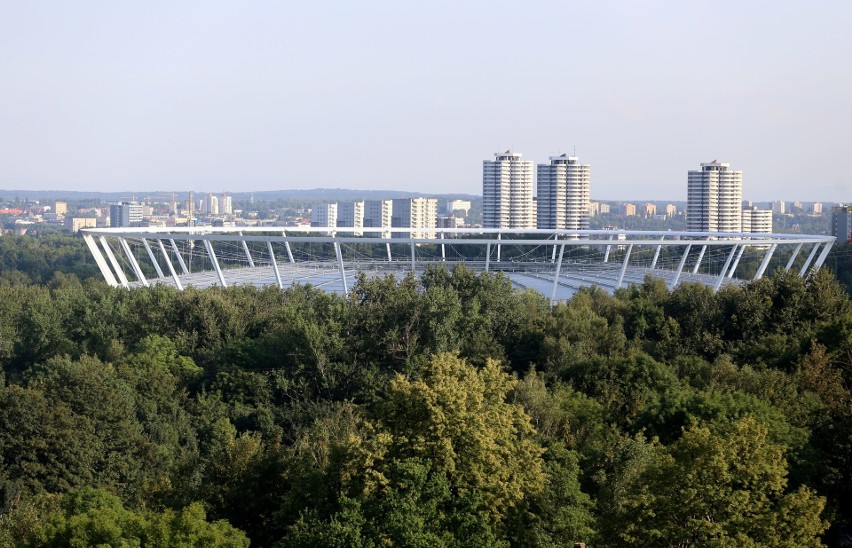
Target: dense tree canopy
[{"x": 446, "y": 411}]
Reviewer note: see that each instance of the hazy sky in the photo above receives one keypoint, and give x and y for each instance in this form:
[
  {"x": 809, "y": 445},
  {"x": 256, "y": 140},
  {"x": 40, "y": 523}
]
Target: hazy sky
[{"x": 262, "y": 95}]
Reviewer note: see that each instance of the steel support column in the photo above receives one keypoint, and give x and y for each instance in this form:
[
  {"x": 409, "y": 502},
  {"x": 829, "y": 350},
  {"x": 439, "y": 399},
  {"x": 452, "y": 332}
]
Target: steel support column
[
  {"x": 100, "y": 261},
  {"x": 182, "y": 264},
  {"x": 700, "y": 257},
  {"x": 822, "y": 257},
  {"x": 606, "y": 253},
  {"x": 274, "y": 263},
  {"x": 153, "y": 258},
  {"x": 246, "y": 250},
  {"x": 657, "y": 254},
  {"x": 340, "y": 265},
  {"x": 287, "y": 247},
  {"x": 725, "y": 269},
  {"x": 389, "y": 252},
  {"x": 809, "y": 260},
  {"x": 680, "y": 266},
  {"x": 556, "y": 277},
  {"x": 759, "y": 274},
  {"x": 793, "y": 257},
  {"x": 487, "y": 256},
  {"x": 170, "y": 265},
  {"x": 413, "y": 259},
  {"x": 111, "y": 256},
  {"x": 624, "y": 266},
  {"x": 134, "y": 264},
  {"x": 443, "y": 249},
  {"x": 498, "y": 247},
  {"x": 736, "y": 261},
  {"x": 215, "y": 261}
]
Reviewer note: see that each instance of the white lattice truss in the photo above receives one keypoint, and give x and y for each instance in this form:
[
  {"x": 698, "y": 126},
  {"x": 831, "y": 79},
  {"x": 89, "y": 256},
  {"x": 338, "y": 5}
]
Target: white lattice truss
[{"x": 554, "y": 263}]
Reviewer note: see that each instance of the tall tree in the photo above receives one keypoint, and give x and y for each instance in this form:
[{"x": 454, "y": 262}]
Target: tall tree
[{"x": 717, "y": 488}]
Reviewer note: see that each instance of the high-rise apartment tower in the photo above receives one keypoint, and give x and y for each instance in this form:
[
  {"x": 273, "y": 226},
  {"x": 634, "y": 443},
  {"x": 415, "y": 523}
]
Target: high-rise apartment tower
[
  {"x": 563, "y": 193},
  {"x": 507, "y": 192},
  {"x": 841, "y": 223},
  {"x": 714, "y": 199},
  {"x": 125, "y": 214}
]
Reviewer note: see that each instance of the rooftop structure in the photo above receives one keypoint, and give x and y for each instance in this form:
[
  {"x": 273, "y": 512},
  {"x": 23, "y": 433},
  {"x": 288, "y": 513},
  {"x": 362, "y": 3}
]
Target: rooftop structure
[{"x": 546, "y": 261}]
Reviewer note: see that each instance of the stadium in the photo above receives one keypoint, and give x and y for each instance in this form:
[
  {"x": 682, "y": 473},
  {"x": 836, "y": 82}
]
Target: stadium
[{"x": 555, "y": 263}]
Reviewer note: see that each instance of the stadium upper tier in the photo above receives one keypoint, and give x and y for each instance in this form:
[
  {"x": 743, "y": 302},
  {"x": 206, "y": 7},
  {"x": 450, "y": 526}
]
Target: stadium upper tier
[{"x": 554, "y": 263}]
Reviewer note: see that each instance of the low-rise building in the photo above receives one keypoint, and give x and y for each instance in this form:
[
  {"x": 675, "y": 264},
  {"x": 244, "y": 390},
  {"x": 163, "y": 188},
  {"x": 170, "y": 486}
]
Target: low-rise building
[
  {"x": 757, "y": 221},
  {"x": 458, "y": 205},
  {"x": 351, "y": 215},
  {"x": 594, "y": 208},
  {"x": 378, "y": 214},
  {"x": 74, "y": 224},
  {"x": 415, "y": 213},
  {"x": 324, "y": 215}
]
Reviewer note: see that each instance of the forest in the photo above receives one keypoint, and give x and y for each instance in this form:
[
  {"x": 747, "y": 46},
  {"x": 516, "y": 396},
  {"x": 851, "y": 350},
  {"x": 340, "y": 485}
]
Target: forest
[{"x": 449, "y": 410}]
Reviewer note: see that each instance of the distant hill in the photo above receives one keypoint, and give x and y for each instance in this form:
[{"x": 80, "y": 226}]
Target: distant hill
[{"x": 318, "y": 194}]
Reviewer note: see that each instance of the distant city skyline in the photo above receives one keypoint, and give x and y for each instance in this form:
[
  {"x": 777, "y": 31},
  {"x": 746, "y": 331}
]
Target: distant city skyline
[{"x": 113, "y": 96}]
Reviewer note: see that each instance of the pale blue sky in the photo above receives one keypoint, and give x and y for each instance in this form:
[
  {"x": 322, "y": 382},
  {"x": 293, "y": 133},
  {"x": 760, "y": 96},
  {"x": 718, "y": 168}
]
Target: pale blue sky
[{"x": 262, "y": 95}]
